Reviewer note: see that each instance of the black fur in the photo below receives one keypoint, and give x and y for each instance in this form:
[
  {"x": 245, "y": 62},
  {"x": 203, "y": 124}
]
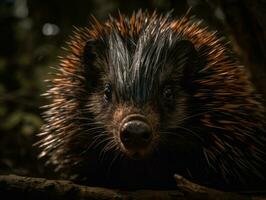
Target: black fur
[{"x": 119, "y": 68}]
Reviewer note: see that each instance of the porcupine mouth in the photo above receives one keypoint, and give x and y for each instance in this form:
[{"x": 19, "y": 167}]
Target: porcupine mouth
[{"x": 136, "y": 136}]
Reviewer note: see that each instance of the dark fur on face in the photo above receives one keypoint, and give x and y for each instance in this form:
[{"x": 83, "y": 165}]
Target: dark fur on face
[
  {"x": 139, "y": 99},
  {"x": 142, "y": 76}
]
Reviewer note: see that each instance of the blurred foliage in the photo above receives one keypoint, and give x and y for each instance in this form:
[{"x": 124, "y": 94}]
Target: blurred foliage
[{"x": 31, "y": 35}]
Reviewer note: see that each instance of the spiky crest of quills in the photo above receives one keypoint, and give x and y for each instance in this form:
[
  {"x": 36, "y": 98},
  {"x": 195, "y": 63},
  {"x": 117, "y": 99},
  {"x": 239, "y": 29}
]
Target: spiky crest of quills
[{"x": 226, "y": 89}]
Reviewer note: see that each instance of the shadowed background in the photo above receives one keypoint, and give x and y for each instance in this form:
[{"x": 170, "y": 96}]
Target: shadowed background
[{"x": 33, "y": 32}]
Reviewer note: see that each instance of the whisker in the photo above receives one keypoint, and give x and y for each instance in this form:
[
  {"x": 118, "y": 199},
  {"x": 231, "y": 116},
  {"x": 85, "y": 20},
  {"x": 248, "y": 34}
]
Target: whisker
[
  {"x": 109, "y": 145},
  {"x": 196, "y": 115},
  {"x": 94, "y": 143},
  {"x": 101, "y": 142},
  {"x": 186, "y": 131}
]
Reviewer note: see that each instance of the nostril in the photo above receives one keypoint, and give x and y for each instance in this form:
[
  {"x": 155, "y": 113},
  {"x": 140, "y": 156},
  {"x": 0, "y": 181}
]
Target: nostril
[
  {"x": 146, "y": 136},
  {"x": 136, "y": 155},
  {"x": 125, "y": 136}
]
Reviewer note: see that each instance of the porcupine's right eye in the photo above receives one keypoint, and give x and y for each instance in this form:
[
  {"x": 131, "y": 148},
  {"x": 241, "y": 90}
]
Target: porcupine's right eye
[{"x": 108, "y": 92}]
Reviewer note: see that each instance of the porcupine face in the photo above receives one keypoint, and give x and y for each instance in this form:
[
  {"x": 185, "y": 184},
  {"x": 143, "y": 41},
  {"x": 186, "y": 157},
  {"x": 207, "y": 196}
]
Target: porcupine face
[
  {"x": 140, "y": 95},
  {"x": 139, "y": 99}
]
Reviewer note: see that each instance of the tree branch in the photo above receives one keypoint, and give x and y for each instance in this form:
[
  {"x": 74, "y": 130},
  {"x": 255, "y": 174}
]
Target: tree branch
[{"x": 39, "y": 188}]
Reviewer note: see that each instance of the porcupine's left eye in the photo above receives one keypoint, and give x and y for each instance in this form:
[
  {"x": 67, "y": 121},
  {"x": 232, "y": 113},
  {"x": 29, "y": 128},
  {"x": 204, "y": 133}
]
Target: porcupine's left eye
[
  {"x": 168, "y": 93},
  {"x": 108, "y": 92}
]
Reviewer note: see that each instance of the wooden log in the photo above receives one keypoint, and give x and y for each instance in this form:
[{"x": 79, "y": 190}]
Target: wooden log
[{"x": 13, "y": 186}]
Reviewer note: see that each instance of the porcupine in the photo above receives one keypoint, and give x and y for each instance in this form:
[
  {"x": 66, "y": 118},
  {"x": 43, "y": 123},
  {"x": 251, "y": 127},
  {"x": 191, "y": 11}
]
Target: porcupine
[{"x": 138, "y": 99}]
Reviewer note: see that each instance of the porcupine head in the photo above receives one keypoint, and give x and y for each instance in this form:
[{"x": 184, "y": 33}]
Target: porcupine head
[{"x": 139, "y": 99}]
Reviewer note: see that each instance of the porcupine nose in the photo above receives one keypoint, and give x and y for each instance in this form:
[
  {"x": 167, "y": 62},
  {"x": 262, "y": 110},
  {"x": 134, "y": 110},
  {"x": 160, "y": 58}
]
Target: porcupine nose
[{"x": 135, "y": 134}]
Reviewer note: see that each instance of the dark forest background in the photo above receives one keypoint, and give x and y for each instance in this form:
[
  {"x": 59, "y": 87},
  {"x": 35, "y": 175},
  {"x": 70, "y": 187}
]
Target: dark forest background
[{"x": 31, "y": 36}]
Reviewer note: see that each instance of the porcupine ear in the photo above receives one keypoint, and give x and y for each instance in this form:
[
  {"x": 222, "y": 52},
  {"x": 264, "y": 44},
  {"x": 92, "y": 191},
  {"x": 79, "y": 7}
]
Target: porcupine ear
[
  {"x": 92, "y": 71},
  {"x": 187, "y": 59}
]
